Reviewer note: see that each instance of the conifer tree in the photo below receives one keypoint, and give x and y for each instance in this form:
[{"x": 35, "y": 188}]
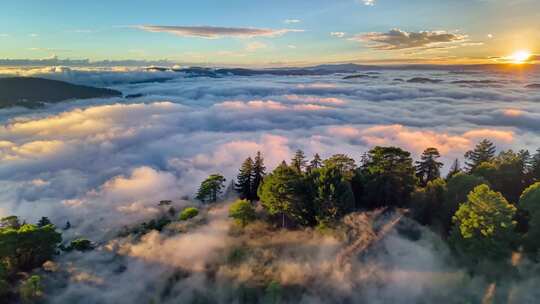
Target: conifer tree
[
  {"x": 483, "y": 152},
  {"x": 428, "y": 168},
  {"x": 211, "y": 188},
  {"x": 455, "y": 169},
  {"x": 244, "y": 180},
  {"x": 315, "y": 163},
  {"x": 535, "y": 166},
  {"x": 299, "y": 161},
  {"x": 258, "y": 174}
]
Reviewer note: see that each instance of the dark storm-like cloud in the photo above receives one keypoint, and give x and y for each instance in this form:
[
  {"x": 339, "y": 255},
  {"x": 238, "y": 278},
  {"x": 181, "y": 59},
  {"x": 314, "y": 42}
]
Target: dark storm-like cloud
[
  {"x": 214, "y": 32},
  {"x": 397, "y": 39}
]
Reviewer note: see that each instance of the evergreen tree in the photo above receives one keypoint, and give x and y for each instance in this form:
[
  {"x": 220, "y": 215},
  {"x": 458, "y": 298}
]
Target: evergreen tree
[
  {"x": 428, "y": 168},
  {"x": 333, "y": 196},
  {"x": 244, "y": 180},
  {"x": 388, "y": 177},
  {"x": 344, "y": 163},
  {"x": 530, "y": 204},
  {"x": 44, "y": 221},
  {"x": 315, "y": 163},
  {"x": 455, "y": 169},
  {"x": 483, "y": 152},
  {"x": 283, "y": 193},
  {"x": 484, "y": 226},
  {"x": 535, "y": 166},
  {"x": 211, "y": 188},
  {"x": 299, "y": 161},
  {"x": 258, "y": 174}
]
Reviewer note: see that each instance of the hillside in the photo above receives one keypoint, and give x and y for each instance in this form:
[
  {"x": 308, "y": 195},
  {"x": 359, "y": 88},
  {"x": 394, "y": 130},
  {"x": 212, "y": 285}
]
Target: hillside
[{"x": 32, "y": 92}]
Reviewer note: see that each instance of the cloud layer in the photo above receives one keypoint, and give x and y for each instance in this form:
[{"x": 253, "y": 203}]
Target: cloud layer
[
  {"x": 397, "y": 39},
  {"x": 214, "y": 32}
]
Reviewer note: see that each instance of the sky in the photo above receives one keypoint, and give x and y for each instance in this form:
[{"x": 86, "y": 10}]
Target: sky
[{"x": 241, "y": 32}]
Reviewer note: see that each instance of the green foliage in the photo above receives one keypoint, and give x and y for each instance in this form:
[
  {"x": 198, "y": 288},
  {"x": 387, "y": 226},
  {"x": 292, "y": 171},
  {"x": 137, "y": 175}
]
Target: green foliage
[
  {"x": 259, "y": 172},
  {"x": 388, "y": 176},
  {"x": 426, "y": 202},
  {"x": 457, "y": 189},
  {"x": 211, "y": 188},
  {"x": 299, "y": 161},
  {"x": 428, "y": 168},
  {"x": 535, "y": 166},
  {"x": 188, "y": 213},
  {"x": 27, "y": 246},
  {"x": 283, "y": 192},
  {"x": 242, "y": 212},
  {"x": 244, "y": 180},
  {"x": 506, "y": 173},
  {"x": 344, "y": 163},
  {"x": 31, "y": 289},
  {"x": 10, "y": 222},
  {"x": 483, "y": 152},
  {"x": 484, "y": 225},
  {"x": 333, "y": 196},
  {"x": 530, "y": 203},
  {"x": 273, "y": 293},
  {"x": 315, "y": 163},
  {"x": 81, "y": 245},
  {"x": 454, "y": 169}
]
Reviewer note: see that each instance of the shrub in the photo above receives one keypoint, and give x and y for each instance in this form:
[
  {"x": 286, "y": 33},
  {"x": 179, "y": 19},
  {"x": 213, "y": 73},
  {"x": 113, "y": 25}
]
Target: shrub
[{"x": 188, "y": 213}]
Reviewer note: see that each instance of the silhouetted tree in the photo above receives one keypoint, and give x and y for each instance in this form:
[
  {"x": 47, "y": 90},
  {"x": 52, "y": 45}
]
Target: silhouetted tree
[
  {"x": 315, "y": 163},
  {"x": 44, "y": 221},
  {"x": 454, "y": 169},
  {"x": 428, "y": 168},
  {"x": 299, "y": 161},
  {"x": 258, "y": 174},
  {"x": 244, "y": 180},
  {"x": 483, "y": 152}
]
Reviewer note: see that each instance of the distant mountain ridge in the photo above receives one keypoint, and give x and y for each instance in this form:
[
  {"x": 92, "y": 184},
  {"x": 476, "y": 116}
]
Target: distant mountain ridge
[{"x": 31, "y": 92}]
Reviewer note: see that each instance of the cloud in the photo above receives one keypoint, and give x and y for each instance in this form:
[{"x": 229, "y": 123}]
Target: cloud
[
  {"x": 397, "y": 39},
  {"x": 368, "y": 2},
  {"x": 289, "y": 21},
  {"x": 255, "y": 45},
  {"x": 214, "y": 32},
  {"x": 338, "y": 34}
]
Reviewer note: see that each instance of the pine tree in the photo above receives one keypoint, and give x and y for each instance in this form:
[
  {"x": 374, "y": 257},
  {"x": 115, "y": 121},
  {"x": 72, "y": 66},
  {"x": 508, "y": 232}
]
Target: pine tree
[
  {"x": 258, "y": 174},
  {"x": 299, "y": 161},
  {"x": 211, "y": 188},
  {"x": 428, "y": 168},
  {"x": 244, "y": 180},
  {"x": 44, "y": 221},
  {"x": 455, "y": 169},
  {"x": 315, "y": 163},
  {"x": 483, "y": 152},
  {"x": 535, "y": 166}
]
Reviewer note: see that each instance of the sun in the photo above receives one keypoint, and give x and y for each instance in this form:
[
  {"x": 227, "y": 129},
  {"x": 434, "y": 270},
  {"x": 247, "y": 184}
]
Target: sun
[{"x": 520, "y": 57}]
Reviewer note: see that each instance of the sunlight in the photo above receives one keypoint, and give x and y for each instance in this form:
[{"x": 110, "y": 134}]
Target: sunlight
[{"x": 520, "y": 57}]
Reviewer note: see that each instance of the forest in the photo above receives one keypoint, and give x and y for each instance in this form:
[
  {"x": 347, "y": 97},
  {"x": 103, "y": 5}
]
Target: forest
[{"x": 487, "y": 210}]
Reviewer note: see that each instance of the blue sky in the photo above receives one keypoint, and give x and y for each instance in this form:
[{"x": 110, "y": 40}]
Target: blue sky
[{"x": 454, "y": 30}]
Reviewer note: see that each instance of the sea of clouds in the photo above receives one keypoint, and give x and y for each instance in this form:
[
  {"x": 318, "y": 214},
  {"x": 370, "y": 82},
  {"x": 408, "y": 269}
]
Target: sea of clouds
[{"x": 106, "y": 163}]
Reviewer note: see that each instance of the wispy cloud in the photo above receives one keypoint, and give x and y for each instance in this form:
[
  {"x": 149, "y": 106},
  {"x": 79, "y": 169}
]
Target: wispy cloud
[
  {"x": 368, "y": 2},
  {"x": 289, "y": 21},
  {"x": 255, "y": 45},
  {"x": 338, "y": 34},
  {"x": 397, "y": 39},
  {"x": 214, "y": 32}
]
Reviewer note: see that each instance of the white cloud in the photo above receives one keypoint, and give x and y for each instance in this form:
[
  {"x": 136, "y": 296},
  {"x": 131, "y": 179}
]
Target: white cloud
[
  {"x": 255, "y": 46},
  {"x": 289, "y": 21},
  {"x": 214, "y": 32},
  {"x": 338, "y": 34}
]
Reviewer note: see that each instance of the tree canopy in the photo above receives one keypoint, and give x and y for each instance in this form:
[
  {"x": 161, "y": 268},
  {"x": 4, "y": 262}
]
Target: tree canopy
[
  {"x": 211, "y": 188},
  {"x": 483, "y": 152}
]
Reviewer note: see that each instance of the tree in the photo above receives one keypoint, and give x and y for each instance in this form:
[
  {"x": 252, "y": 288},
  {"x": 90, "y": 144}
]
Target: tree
[
  {"x": 81, "y": 244},
  {"x": 427, "y": 202},
  {"x": 243, "y": 180},
  {"x": 333, "y": 194},
  {"x": 44, "y": 221},
  {"x": 455, "y": 169},
  {"x": 259, "y": 172},
  {"x": 535, "y": 166},
  {"x": 315, "y": 163},
  {"x": 344, "y": 163},
  {"x": 530, "y": 203},
  {"x": 27, "y": 246},
  {"x": 211, "y": 188},
  {"x": 457, "y": 189},
  {"x": 483, "y": 152},
  {"x": 188, "y": 213},
  {"x": 31, "y": 289},
  {"x": 242, "y": 212},
  {"x": 484, "y": 225},
  {"x": 299, "y": 161},
  {"x": 428, "y": 168},
  {"x": 507, "y": 173},
  {"x": 388, "y": 177},
  {"x": 283, "y": 193}
]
